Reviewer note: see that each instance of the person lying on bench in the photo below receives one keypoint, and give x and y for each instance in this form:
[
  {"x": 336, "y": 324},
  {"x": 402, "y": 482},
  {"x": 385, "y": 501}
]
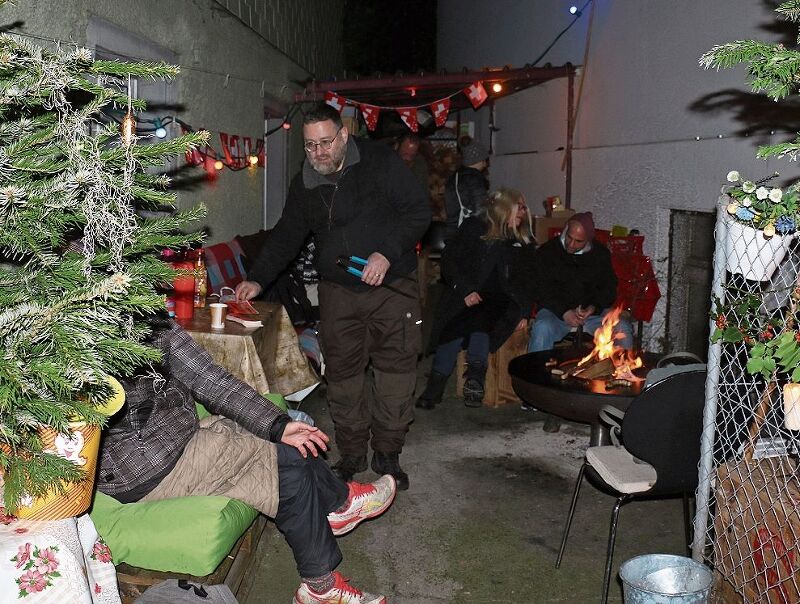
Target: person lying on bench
[{"x": 156, "y": 448}]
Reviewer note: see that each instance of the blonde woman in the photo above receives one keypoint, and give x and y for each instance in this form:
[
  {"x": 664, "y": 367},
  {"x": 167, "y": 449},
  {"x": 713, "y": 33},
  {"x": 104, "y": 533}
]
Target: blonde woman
[{"x": 486, "y": 267}]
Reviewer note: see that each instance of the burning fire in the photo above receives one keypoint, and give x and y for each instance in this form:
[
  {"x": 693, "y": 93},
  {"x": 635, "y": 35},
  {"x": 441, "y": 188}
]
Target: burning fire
[{"x": 624, "y": 361}]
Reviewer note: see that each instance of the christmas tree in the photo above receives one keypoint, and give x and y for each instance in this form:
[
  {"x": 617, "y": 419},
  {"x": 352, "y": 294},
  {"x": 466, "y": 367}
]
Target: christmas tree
[
  {"x": 69, "y": 175},
  {"x": 772, "y": 69}
]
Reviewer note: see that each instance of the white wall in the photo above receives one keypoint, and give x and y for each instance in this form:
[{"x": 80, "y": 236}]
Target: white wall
[
  {"x": 635, "y": 151},
  {"x": 635, "y": 154}
]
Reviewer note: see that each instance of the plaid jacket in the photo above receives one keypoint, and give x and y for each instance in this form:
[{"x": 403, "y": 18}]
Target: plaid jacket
[{"x": 144, "y": 440}]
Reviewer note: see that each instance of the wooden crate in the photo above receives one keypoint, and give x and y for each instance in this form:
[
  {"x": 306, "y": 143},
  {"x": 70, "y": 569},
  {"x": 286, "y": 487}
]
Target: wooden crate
[
  {"x": 757, "y": 529},
  {"x": 498, "y": 382}
]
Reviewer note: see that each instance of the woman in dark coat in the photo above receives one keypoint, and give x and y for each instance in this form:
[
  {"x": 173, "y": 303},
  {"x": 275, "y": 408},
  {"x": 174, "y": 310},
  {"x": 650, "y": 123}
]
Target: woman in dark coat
[{"x": 485, "y": 267}]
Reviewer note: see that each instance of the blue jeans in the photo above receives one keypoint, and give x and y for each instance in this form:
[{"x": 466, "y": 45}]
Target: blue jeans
[
  {"x": 548, "y": 329},
  {"x": 444, "y": 361}
]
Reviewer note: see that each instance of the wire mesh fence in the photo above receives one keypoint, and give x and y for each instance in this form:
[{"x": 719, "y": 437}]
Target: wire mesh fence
[{"x": 748, "y": 500}]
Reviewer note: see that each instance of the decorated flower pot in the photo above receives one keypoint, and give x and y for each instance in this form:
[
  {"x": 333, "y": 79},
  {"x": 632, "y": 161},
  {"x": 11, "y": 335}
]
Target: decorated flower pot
[
  {"x": 749, "y": 253},
  {"x": 79, "y": 445}
]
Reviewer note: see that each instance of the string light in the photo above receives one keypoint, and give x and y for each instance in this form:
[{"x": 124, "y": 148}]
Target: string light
[
  {"x": 218, "y": 165},
  {"x": 286, "y": 125},
  {"x": 253, "y": 159},
  {"x": 573, "y": 10},
  {"x": 497, "y": 87},
  {"x": 161, "y": 132}
]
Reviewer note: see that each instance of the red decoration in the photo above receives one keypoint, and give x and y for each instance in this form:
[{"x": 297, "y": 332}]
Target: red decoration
[
  {"x": 193, "y": 155},
  {"x": 335, "y": 100},
  {"x": 476, "y": 94},
  {"x": 409, "y": 117},
  {"x": 440, "y": 110},
  {"x": 370, "y": 113}
]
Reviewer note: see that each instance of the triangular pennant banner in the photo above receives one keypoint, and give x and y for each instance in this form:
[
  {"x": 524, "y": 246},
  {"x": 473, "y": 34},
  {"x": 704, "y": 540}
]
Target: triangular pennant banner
[
  {"x": 335, "y": 100},
  {"x": 440, "y": 110},
  {"x": 476, "y": 94},
  {"x": 409, "y": 117},
  {"x": 371, "y": 114}
]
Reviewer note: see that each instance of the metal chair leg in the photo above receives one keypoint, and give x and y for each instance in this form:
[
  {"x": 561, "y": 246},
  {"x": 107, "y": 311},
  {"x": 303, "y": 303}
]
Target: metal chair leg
[
  {"x": 612, "y": 538},
  {"x": 571, "y": 514}
]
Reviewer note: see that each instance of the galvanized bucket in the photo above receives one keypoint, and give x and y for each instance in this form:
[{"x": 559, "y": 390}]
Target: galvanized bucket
[{"x": 665, "y": 579}]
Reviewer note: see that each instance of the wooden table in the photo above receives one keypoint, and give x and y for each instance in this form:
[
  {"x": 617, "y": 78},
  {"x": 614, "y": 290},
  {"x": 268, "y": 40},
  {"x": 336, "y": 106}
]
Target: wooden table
[{"x": 267, "y": 358}]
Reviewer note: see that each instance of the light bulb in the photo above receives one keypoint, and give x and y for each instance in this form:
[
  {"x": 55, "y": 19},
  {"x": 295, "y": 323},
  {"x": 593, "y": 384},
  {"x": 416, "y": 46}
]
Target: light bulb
[
  {"x": 287, "y": 125},
  {"x": 573, "y": 10},
  {"x": 127, "y": 128},
  {"x": 218, "y": 165},
  {"x": 161, "y": 132},
  {"x": 253, "y": 160},
  {"x": 497, "y": 87}
]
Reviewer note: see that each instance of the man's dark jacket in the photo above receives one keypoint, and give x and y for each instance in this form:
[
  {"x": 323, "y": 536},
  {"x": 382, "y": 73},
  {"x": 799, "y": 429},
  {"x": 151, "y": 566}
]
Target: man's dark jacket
[
  {"x": 565, "y": 281},
  {"x": 375, "y": 205}
]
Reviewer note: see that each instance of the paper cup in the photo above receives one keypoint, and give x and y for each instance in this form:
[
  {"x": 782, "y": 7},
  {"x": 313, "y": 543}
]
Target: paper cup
[{"x": 218, "y": 313}]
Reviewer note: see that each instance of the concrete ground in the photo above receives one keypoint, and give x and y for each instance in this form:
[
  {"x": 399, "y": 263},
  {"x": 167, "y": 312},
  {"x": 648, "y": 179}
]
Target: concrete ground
[{"x": 483, "y": 518}]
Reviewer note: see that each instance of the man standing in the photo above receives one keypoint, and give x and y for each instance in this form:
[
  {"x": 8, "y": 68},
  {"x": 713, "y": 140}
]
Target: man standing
[
  {"x": 357, "y": 199},
  {"x": 575, "y": 285}
]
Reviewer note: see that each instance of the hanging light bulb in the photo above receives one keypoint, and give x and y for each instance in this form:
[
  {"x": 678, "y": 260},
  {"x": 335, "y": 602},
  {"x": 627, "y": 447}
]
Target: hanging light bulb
[
  {"x": 127, "y": 128},
  {"x": 218, "y": 165},
  {"x": 413, "y": 91},
  {"x": 286, "y": 125},
  {"x": 161, "y": 132},
  {"x": 497, "y": 87},
  {"x": 573, "y": 10},
  {"x": 253, "y": 159}
]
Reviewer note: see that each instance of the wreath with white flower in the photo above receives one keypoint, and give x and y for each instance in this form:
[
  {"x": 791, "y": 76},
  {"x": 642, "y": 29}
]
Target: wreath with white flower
[{"x": 769, "y": 209}]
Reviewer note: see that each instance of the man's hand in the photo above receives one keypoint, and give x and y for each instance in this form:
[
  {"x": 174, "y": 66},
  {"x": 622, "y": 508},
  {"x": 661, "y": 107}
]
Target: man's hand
[
  {"x": 247, "y": 290},
  {"x": 305, "y": 438},
  {"x": 571, "y": 318},
  {"x": 473, "y": 299},
  {"x": 523, "y": 324},
  {"x": 376, "y": 269},
  {"x": 584, "y": 312}
]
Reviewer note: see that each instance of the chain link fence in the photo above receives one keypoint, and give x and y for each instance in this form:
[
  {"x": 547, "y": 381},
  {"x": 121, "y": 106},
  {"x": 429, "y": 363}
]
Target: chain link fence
[{"x": 748, "y": 500}]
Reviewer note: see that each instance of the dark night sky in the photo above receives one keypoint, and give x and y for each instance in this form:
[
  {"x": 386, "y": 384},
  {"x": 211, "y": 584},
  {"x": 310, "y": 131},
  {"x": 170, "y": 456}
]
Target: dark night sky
[{"x": 388, "y": 36}]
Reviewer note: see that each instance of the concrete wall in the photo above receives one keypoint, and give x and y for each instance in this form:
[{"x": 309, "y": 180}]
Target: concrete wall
[
  {"x": 277, "y": 42},
  {"x": 636, "y": 154}
]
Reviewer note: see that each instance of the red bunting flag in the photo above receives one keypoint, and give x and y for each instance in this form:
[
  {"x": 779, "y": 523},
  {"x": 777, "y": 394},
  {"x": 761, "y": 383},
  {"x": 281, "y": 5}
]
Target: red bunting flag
[
  {"x": 371, "y": 114},
  {"x": 335, "y": 100},
  {"x": 476, "y": 94},
  {"x": 440, "y": 110},
  {"x": 409, "y": 117}
]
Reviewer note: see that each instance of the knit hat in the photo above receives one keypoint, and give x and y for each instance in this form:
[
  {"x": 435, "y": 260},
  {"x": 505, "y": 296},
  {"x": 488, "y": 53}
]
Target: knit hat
[
  {"x": 586, "y": 221},
  {"x": 473, "y": 153}
]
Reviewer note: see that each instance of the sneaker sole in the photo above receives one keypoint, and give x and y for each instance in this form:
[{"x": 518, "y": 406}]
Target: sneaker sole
[{"x": 346, "y": 528}]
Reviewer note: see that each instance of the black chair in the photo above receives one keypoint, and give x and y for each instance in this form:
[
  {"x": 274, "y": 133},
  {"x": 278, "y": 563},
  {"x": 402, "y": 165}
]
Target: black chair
[{"x": 661, "y": 427}]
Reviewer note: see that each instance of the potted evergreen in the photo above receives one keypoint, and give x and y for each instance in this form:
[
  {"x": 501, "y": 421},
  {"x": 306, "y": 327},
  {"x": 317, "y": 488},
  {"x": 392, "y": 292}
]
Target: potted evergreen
[{"x": 70, "y": 318}]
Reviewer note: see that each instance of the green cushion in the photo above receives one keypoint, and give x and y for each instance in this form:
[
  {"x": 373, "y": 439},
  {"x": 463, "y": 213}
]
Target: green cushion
[{"x": 189, "y": 535}]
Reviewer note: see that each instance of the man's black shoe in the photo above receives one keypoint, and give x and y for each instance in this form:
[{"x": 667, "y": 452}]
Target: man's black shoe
[
  {"x": 349, "y": 465},
  {"x": 389, "y": 463}
]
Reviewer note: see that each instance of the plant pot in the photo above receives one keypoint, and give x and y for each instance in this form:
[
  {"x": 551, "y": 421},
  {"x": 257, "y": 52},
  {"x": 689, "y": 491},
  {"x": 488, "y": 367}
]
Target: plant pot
[
  {"x": 750, "y": 254},
  {"x": 81, "y": 446}
]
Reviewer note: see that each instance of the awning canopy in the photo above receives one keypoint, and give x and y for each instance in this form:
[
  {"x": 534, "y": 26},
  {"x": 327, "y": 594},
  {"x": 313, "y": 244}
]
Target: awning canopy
[{"x": 419, "y": 90}]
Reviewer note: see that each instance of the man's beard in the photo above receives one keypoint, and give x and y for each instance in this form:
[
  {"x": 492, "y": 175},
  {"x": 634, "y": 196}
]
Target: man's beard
[{"x": 329, "y": 163}]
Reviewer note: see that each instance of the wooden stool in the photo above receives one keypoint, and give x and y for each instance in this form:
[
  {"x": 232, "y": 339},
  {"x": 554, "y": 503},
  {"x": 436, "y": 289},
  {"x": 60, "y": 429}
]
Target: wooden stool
[{"x": 498, "y": 383}]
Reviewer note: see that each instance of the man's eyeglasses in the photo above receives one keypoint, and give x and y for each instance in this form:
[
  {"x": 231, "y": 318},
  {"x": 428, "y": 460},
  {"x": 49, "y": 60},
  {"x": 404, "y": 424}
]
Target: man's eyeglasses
[{"x": 325, "y": 144}]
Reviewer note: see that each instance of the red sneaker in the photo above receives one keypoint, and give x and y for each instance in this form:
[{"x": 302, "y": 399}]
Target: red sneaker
[
  {"x": 365, "y": 501},
  {"x": 341, "y": 593}
]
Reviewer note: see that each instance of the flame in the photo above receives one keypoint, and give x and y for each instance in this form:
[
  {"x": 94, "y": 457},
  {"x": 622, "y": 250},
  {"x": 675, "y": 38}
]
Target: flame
[{"x": 625, "y": 361}]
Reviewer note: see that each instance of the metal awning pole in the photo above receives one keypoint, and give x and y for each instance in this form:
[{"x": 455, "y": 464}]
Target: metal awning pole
[{"x": 570, "y": 132}]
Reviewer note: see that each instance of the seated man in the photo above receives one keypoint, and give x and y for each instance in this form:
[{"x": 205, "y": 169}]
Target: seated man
[
  {"x": 155, "y": 448},
  {"x": 575, "y": 285}
]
